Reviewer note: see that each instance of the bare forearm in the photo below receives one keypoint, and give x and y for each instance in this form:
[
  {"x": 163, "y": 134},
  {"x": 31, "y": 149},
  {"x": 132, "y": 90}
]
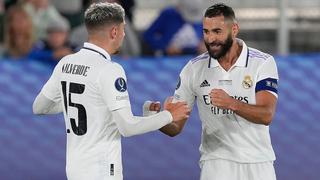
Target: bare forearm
[
  {"x": 258, "y": 114},
  {"x": 173, "y": 128},
  {"x": 170, "y": 130}
]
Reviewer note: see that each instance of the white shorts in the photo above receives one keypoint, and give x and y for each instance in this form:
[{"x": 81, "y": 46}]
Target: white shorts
[
  {"x": 220, "y": 169},
  {"x": 95, "y": 171}
]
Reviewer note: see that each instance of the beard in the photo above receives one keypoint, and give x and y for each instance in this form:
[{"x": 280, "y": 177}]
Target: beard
[{"x": 224, "y": 47}]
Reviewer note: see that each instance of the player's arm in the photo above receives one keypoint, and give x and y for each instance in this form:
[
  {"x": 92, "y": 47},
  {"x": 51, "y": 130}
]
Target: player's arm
[
  {"x": 48, "y": 101},
  {"x": 183, "y": 93},
  {"x": 172, "y": 129},
  {"x": 130, "y": 125},
  {"x": 114, "y": 92},
  {"x": 43, "y": 105},
  {"x": 260, "y": 113},
  {"x": 266, "y": 89}
]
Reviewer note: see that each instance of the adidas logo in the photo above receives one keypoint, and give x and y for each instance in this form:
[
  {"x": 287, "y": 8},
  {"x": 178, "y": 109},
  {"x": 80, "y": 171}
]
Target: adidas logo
[{"x": 204, "y": 84}]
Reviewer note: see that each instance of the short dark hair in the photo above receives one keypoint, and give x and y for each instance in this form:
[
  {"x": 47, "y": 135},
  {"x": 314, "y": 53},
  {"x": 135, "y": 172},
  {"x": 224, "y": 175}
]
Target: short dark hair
[
  {"x": 220, "y": 9},
  {"x": 101, "y": 14}
]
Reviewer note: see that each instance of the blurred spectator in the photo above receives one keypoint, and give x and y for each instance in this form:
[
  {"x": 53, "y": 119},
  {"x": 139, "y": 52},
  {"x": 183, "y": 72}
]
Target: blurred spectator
[
  {"x": 56, "y": 45},
  {"x": 18, "y": 33},
  {"x": 131, "y": 44},
  {"x": 128, "y": 6},
  {"x": 177, "y": 30},
  {"x": 70, "y": 9},
  {"x": 41, "y": 13}
]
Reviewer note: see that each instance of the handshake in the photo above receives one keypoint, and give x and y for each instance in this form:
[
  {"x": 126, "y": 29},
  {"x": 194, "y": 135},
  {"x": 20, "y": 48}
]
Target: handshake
[{"x": 179, "y": 110}]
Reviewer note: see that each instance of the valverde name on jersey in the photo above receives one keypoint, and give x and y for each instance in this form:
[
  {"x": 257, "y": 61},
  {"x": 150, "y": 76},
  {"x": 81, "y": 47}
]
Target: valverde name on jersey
[{"x": 75, "y": 69}]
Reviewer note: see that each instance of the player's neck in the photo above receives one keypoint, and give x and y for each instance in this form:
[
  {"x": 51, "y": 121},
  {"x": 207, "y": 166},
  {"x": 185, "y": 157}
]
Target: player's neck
[
  {"x": 231, "y": 57},
  {"x": 100, "y": 43}
]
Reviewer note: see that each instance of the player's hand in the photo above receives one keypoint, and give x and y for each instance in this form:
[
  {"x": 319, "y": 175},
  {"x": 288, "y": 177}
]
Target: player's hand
[
  {"x": 179, "y": 110},
  {"x": 221, "y": 99},
  {"x": 151, "y": 107}
]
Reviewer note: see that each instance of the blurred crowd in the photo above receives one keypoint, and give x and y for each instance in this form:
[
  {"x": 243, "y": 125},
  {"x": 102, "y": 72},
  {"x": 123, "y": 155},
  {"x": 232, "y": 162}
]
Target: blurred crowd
[{"x": 47, "y": 30}]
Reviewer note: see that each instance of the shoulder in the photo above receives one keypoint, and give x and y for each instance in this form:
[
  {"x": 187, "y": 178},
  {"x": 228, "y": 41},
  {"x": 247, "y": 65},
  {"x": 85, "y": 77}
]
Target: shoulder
[
  {"x": 256, "y": 54},
  {"x": 261, "y": 60},
  {"x": 202, "y": 58},
  {"x": 111, "y": 68},
  {"x": 197, "y": 63},
  {"x": 66, "y": 58}
]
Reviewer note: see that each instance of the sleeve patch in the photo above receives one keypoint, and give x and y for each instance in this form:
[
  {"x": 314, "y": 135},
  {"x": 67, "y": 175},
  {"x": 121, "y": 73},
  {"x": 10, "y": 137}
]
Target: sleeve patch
[{"x": 120, "y": 85}]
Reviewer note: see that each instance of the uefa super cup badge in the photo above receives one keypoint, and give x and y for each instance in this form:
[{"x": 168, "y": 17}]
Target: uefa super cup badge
[{"x": 247, "y": 82}]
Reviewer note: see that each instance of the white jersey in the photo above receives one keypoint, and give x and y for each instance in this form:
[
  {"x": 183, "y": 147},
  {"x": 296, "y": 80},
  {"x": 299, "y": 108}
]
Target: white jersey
[
  {"x": 90, "y": 86},
  {"x": 225, "y": 135}
]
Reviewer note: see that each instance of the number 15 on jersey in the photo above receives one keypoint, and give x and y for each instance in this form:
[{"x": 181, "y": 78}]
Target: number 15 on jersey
[{"x": 75, "y": 88}]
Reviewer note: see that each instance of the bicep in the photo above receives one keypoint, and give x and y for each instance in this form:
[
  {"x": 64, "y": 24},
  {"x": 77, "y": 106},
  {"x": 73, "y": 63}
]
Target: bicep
[
  {"x": 266, "y": 99},
  {"x": 51, "y": 88}
]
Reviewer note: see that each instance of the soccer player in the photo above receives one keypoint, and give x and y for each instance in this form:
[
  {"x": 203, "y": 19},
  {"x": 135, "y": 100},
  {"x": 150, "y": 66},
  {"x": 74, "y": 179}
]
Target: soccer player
[
  {"x": 91, "y": 90},
  {"x": 235, "y": 88}
]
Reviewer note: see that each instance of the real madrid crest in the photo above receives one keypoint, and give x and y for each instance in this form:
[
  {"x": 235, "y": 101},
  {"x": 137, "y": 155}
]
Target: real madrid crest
[{"x": 247, "y": 82}]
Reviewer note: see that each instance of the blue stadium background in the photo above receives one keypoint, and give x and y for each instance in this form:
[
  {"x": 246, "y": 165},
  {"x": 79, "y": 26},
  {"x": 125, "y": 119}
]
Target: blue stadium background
[{"x": 33, "y": 147}]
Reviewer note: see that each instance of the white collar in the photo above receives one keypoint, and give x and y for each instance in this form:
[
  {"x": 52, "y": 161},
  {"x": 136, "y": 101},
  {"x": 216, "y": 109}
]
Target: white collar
[
  {"x": 242, "y": 60},
  {"x": 97, "y": 49}
]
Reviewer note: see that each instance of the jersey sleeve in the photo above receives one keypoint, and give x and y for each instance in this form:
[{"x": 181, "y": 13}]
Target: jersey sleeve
[
  {"x": 268, "y": 77},
  {"x": 51, "y": 88},
  {"x": 113, "y": 87},
  {"x": 184, "y": 90}
]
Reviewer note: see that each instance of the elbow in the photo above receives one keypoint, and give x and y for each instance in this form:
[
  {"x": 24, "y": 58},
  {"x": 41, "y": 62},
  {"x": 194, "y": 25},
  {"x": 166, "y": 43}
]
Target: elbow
[
  {"x": 36, "y": 110},
  {"x": 175, "y": 133},
  {"x": 266, "y": 120},
  {"x": 126, "y": 133},
  {"x": 171, "y": 132}
]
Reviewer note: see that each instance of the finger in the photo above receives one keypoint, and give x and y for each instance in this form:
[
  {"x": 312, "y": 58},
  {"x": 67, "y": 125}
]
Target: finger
[
  {"x": 214, "y": 90},
  {"x": 168, "y": 100},
  {"x": 157, "y": 107},
  {"x": 152, "y": 107},
  {"x": 147, "y": 104}
]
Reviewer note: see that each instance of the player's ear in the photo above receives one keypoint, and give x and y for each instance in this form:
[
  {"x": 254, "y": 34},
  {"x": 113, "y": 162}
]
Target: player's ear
[
  {"x": 113, "y": 32},
  {"x": 235, "y": 30}
]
